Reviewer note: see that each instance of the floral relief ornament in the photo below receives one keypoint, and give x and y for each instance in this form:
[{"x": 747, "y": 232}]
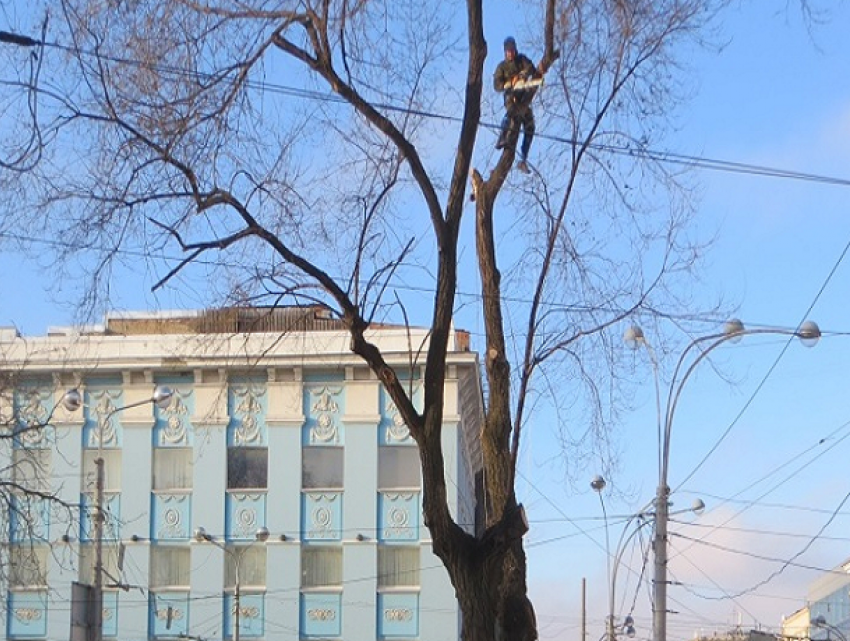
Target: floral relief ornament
[
  {"x": 162, "y": 614},
  {"x": 175, "y": 428},
  {"x": 325, "y": 407},
  {"x": 397, "y": 429},
  {"x": 250, "y": 408},
  {"x": 27, "y": 614},
  {"x": 246, "y": 520},
  {"x": 105, "y": 433}
]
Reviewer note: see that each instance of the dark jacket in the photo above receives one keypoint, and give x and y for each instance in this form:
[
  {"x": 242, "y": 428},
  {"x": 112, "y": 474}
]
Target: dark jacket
[{"x": 519, "y": 67}]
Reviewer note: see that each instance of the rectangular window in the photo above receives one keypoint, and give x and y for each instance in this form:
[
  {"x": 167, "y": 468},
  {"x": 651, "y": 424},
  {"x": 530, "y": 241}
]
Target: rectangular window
[
  {"x": 111, "y": 470},
  {"x": 169, "y": 567},
  {"x": 398, "y": 566},
  {"x": 172, "y": 468},
  {"x": 111, "y": 563},
  {"x": 27, "y": 566},
  {"x": 322, "y": 468},
  {"x": 252, "y": 566},
  {"x": 247, "y": 468},
  {"x": 321, "y": 566},
  {"x": 398, "y": 468},
  {"x": 31, "y": 469}
]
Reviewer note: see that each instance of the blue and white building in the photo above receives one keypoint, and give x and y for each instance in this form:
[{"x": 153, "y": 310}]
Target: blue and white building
[{"x": 274, "y": 427}]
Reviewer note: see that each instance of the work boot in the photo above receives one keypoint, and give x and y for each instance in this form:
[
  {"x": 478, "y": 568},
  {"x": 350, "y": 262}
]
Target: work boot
[{"x": 523, "y": 167}]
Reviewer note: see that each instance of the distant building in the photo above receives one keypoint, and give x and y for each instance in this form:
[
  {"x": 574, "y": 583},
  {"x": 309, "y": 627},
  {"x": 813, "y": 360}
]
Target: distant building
[
  {"x": 795, "y": 627},
  {"x": 739, "y": 634},
  {"x": 274, "y": 426},
  {"x": 827, "y": 615},
  {"x": 829, "y": 597}
]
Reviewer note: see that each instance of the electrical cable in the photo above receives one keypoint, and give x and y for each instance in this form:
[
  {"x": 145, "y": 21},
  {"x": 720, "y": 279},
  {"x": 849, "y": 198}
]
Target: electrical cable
[
  {"x": 770, "y": 370},
  {"x": 664, "y": 157}
]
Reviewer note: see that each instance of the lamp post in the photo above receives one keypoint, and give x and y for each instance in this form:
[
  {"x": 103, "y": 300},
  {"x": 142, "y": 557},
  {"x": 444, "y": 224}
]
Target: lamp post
[
  {"x": 694, "y": 353},
  {"x": 641, "y": 519},
  {"x": 598, "y": 484},
  {"x": 820, "y": 622},
  {"x": 72, "y": 400},
  {"x": 261, "y": 536}
]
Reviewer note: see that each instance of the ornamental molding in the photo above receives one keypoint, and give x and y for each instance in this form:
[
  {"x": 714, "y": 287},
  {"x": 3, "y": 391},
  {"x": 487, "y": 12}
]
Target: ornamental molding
[
  {"x": 398, "y": 614},
  {"x": 28, "y": 615},
  {"x": 172, "y": 524},
  {"x": 399, "y": 496},
  {"x": 104, "y": 433},
  {"x": 175, "y": 431},
  {"x": 162, "y": 614},
  {"x": 246, "y": 611},
  {"x": 397, "y": 431},
  {"x": 326, "y": 412},
  {"x": 244, "y": 521},
  {"x": 248, "y": 412},
  {"x": 321, "y": 614},
  {"x": 398, "y": 523}
]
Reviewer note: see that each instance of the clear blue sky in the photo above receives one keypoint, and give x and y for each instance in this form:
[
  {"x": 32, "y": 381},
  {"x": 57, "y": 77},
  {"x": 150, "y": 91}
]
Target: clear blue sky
[{"x": 777, "y": 95}]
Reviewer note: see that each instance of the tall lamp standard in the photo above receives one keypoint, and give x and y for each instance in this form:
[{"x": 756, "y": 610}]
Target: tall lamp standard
[
  {"x": 640, "y": 519},
  {"x": 693, "y": 354},
  {"x": 261, "y": 536},
  {"x": 72, "y": 400},
  {"x": 820, "y": 622}
]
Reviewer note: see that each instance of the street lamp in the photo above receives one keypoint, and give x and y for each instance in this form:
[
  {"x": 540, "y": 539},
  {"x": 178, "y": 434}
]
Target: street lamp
[
  {"x": 641, "y": 519},
  {"x": 72, "y": 400},
  {"x": 261, "y": 536},
  {"x": 733, "y": 331},
  {"x": 820, "y": 622},
  {"x": 598, "y": 484}
]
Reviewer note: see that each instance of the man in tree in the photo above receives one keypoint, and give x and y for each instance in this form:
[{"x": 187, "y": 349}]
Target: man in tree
[{"x": 511, "y": 77}]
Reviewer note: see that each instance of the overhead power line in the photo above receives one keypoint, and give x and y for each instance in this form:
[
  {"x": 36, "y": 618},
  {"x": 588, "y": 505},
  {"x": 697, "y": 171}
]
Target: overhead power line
[{"x": 634, "y": 151}]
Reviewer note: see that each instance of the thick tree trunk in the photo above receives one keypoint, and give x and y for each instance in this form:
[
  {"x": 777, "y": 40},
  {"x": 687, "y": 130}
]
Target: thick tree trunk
[{"x": 493, "y": 599}]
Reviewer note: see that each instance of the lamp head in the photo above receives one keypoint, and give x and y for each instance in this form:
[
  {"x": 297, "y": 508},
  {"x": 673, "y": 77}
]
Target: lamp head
[
  {"x": 162, "y": 396},
  {"x": 698, "y": 506},
  {"x": 201, "y": 535},
  {"x": 733, "y": 329},
  {"x": 809, "y": 333},
  {"x": 72, "y": 400},
  {"x": 262, "y": 534},
  {"x": 819, "y": 620},
  {"x": 597, "y": 483}
]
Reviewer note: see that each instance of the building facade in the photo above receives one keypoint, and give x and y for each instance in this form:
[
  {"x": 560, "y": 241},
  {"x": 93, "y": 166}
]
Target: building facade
[{"x": 280, "y": 470}]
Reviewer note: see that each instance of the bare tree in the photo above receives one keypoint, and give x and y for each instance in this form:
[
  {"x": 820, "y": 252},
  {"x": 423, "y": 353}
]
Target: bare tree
[{"x": 324, "y": 152}]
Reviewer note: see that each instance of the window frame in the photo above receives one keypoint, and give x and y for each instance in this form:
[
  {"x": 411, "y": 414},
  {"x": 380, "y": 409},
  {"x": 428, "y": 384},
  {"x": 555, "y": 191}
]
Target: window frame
[
  {"x": 26, "y": 560},
  {"x": 245, "y": 553},
  {"x": 332, "y": 477},
  {"x": 188, "y": 455},
  {"x": 112, "y": 461},
  {"x": 335, "y": 553},
  {"x": 399, "y": 465},
  {"x": 396, "y": 584},
  {"x": 171, "y": 555},
  {"x": 241, "y": 450}
]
